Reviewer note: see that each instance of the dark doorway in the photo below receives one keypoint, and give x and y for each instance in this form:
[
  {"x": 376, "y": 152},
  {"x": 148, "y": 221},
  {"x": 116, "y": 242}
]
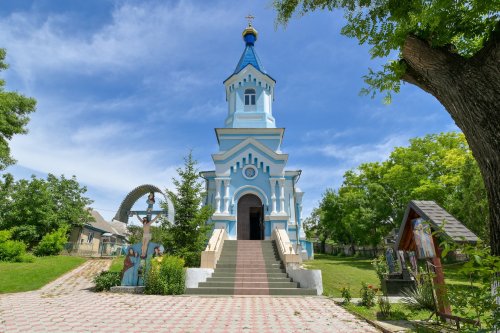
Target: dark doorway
[{"x": 250, "y": 218}]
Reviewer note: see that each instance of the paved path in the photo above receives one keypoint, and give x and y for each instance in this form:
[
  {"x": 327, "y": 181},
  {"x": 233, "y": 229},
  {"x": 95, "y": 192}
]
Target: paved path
[{"x": 66, "y": 305}]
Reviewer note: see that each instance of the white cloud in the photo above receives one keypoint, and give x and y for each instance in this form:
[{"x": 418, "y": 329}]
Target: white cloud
[
  {"x": 205, "y": 111},
  {"x": 351, "y": 155},
  {"x": 315, "y": 179},
  {"x": 90, "y": 135},
  {"x": 329, "y": 134},
  {"x": 142, "y": 34},
  {"x": 119, "y": 170},
  {"x": 83, "y": 137}
]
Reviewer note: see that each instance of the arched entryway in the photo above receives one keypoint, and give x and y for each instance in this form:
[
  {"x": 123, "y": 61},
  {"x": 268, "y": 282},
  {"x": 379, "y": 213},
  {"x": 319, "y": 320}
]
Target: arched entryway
[{"x": 250, "y": 218}]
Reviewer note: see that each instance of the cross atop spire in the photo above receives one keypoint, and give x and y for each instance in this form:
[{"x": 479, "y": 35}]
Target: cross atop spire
[{"x": 250, "y": 18}]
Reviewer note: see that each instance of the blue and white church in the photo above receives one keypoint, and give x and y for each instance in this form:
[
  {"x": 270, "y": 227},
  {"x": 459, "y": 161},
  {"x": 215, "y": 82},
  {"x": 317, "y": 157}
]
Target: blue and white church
[{"x": 251, "y": 191}]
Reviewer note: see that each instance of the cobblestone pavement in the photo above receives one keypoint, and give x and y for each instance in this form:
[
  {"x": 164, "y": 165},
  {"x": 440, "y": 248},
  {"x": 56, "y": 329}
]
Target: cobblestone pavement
[{"x": 67, "y": 305}]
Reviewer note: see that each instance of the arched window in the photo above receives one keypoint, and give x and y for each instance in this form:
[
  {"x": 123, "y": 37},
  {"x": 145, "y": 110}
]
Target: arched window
[{"x": 249, "y": 96}]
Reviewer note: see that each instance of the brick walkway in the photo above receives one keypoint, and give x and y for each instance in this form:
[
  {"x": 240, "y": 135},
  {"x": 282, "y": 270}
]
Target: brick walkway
[{"x": 66, "y": 305}]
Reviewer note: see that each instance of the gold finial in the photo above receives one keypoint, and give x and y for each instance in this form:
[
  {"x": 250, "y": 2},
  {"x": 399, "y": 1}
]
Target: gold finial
[{"x": 250, "y": 18}]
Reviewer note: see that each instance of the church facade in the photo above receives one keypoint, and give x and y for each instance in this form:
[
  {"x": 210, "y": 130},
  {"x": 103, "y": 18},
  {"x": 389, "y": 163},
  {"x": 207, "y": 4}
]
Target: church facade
[{"x": 251, "y": 191}]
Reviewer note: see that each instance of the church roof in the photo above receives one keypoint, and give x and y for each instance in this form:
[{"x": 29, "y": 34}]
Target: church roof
[{"x": 249, "y": 57}]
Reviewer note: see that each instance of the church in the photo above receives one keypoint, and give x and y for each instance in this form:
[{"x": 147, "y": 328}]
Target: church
[{"x": 250, "y": 190}]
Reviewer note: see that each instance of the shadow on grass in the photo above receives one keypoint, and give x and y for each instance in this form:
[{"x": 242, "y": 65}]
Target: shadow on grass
[{"x": 394, "y": 315}]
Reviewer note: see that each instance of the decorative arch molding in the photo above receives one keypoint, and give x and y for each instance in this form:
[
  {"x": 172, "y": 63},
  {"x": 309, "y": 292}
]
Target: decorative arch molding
[
  {"x": 123, "y": 212},
  {"x": 249, "y": 189}
]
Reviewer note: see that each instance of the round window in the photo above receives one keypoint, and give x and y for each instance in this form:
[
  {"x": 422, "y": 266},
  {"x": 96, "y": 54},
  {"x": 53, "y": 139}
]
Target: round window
[{"x": 250, "y": 172}]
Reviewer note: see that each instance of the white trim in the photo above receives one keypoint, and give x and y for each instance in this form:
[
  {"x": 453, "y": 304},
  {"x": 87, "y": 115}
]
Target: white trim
[
  {"x": 223, "y": 217},
  {"x": 241, "y": 145},
  {"x": 243, "y": 137},
  {"x": 250, "y": 166},
  {"x": 278, "y": 218},
  {"x": 250, "y": 189}
]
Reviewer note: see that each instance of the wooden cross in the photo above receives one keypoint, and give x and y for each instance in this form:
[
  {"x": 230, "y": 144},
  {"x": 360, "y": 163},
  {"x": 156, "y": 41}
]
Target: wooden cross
[{"x": 250, "y": 18}]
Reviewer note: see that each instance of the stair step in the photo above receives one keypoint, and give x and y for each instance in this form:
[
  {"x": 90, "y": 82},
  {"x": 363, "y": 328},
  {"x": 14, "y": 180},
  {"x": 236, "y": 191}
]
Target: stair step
[
  {"x": 246, "y": 285},
  {"x": 251, "y": 291},
  {"x": 250, "y": 257},
  {"x": 248, "y": 279},
  {"x": 247, "y": 263},
  {"x": 250, "y": 265},
  {"x": 249, "y": 270},
  {"x": 240, "y": 274}
]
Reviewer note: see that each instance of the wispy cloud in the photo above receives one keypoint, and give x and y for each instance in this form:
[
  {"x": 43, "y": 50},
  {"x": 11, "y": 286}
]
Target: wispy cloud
[
  {"x": 329, "y": 134},
  {"x": 351, "y": 155},
  {"x": 142, "y": 34}
]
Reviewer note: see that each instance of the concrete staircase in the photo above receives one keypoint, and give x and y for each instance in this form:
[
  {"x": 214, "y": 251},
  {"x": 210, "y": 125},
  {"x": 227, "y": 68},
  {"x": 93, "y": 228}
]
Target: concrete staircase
[{"x": 249, "y": 268}]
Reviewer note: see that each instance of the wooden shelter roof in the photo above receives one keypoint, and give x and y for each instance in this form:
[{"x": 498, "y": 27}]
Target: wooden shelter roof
[{"x": 438, "y": 218}]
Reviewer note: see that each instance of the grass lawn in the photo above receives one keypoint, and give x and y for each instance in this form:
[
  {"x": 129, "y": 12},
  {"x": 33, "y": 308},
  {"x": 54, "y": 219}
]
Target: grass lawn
[
  {"x": 117, "y": 264},
  {"x": 16, "y": 277},
  {"x": 338, "y": 272}
]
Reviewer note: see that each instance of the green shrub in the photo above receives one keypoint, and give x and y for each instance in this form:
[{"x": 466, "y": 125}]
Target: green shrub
[
  {"x": 26, "y": 234},
  {"x": 191, "y": 259},
  {"x": 367, "y": 295},
  {"x": 52, "y": 243},
  {"x": 12, "y": 251},
  {"x": 165, "y": 276},
  {"x": 5, "y": 235},
  {"x": 346, "y": 294},
  {"x": 384, "y": 306},
  {"x": 27, "y": 257},
  {"x": 106, "y": 280},
  {"x": 420, "y": 298},
  {"x": 381, "y": 267}
]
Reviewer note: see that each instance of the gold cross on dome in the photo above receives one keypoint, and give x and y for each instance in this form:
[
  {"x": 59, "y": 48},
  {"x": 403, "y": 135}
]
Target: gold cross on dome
[{"x": 250, "y": 18}]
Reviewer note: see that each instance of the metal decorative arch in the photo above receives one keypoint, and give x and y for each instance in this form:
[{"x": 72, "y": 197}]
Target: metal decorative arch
[{"x": 123, "y": 212}]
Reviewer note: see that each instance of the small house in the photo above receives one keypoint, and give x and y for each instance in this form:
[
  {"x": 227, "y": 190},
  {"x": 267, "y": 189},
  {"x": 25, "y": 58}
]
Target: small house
[{"x": 98, "y": 237}]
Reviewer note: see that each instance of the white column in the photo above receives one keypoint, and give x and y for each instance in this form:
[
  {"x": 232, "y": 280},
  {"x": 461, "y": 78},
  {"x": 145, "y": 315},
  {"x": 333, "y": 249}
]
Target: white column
[
  {"x": 217, "y": 195},
  {"x": 282, "y": 195},
  {"x": 273, "y": 195},
  {"x": 226, "y": 197}
]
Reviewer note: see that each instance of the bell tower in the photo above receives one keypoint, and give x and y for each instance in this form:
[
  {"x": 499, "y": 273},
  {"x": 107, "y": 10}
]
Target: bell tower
[{"x": 249, "y": 90}]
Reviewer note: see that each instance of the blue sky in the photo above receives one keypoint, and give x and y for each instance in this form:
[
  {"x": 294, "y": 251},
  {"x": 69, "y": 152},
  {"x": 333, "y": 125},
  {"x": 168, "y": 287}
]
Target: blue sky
[{"x": 126, "y": 88}]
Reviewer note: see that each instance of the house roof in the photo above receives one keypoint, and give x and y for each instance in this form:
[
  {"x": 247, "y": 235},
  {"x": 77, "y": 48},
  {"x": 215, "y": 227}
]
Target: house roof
[
  {"x": 438, "y": 218},
  {"x": 116, "y": 228}
]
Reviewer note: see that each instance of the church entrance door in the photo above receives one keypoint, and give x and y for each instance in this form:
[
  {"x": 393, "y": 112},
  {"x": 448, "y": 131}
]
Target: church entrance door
[{"x": 250, "y": 218}]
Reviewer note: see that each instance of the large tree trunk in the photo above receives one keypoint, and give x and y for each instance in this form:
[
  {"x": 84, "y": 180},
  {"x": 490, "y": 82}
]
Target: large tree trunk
[{"x": 469, "y": 89}]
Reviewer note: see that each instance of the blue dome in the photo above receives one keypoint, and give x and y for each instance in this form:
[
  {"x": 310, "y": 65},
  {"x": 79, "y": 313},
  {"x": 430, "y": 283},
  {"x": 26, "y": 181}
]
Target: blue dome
[{"x": 250, "y": 38}]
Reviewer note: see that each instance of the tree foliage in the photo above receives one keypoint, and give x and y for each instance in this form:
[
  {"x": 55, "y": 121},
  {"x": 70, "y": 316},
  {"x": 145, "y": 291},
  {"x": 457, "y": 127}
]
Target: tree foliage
[
  {"x": 373, "y": 197},
  {"x": 448, "y": 48},
  {"x": 35, "y": 207},
  {"x": 14, "y": 111},
  {"x": 187, "y": 237},
  {"x": 463, "y": 26}
]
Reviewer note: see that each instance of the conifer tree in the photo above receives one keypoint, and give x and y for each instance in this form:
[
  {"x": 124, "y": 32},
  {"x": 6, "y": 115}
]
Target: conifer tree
[{"x": 188, "y": 235}]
